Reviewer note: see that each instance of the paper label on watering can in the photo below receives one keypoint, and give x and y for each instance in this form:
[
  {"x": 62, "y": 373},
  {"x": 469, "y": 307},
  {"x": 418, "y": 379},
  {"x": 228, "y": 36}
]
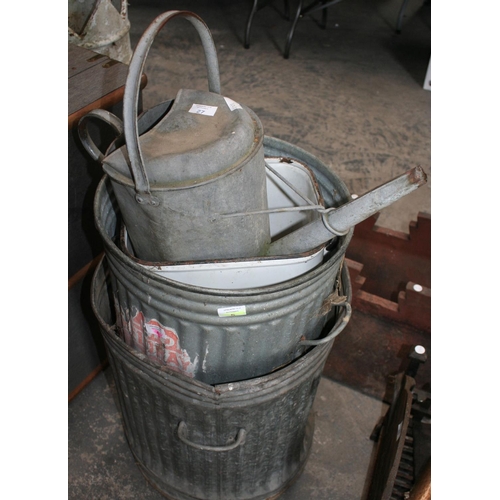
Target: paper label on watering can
[
  {"x": 232, "y": 105},
  {"x": 225, "y": 312},
  {"x": 203, "y": 109}
]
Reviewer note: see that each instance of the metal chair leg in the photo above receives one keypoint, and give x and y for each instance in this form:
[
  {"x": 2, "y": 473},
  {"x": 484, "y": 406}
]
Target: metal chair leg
[
  {"x": 324, "y": 15},
  {"x": 246, "y": 42},
  {"x": 292, "y": 30},
  {"x": 400, "y": 16},
  {"x": 287, "y": 10}
]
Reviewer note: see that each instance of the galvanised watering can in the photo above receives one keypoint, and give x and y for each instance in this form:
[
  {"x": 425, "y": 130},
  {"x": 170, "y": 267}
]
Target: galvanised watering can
[
  {"x": 203, "y": 157},
  {"x": 198, "y": 186}
]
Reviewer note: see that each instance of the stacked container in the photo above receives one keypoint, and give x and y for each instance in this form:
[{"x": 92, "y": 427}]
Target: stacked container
[{"x": 215, "y": 383}]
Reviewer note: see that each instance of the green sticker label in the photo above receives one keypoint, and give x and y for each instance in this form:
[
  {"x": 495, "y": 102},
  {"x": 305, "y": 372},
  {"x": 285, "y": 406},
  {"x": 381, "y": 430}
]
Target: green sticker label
[{"x": 225, "y": 312}]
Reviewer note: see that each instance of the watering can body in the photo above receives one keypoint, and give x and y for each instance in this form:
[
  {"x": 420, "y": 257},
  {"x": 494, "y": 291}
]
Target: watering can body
[
  {"x": 203, "y": 157},
  {"x": 198, "y": 166}
]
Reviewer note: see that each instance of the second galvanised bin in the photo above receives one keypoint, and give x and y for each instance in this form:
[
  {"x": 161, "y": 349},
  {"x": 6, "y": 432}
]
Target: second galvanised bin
[
  {"x": 247, "y": 440},
  {"x": 218, "y": 336}
]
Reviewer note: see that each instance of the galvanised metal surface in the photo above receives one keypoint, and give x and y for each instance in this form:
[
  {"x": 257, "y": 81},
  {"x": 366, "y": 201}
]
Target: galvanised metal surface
[
  {"x": 97, "y": 25},
  {"x": 255, "y": 272},
  {"x": 337, "y": 221},
  {"x": 244, "y": 440},
  {"x": 215, "y": 335},
  {"x": 204, "y": 157}
]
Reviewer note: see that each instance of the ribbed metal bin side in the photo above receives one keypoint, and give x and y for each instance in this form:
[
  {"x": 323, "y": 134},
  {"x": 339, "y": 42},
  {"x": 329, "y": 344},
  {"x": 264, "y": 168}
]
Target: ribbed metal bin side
[
  {"x": 214, "y": 349},
  {"x": 273, "y": 452},
  {"x": 202, "y": 344},
  {"x": 334, "y": 192},
  {"x": 270, "y": 412}
]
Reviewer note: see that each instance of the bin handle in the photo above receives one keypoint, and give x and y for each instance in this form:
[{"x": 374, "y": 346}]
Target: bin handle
[
  {"x": 339, "y": 326},
  {"x": 240, "y": 439},
  {"x": 84, "y": 135},
  {"x": 131, "y": 94}
]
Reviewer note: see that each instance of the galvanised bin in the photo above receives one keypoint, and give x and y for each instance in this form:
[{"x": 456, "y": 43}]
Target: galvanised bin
[
  {"x": 239, "y": 441},
  {"x": 219, "y": 336}
]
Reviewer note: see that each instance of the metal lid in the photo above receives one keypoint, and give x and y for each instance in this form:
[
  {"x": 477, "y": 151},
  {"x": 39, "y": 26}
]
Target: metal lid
[{"x": 203, "y": 136}]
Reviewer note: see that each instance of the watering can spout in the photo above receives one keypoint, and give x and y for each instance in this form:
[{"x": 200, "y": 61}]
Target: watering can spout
[{"x": 338, "y": 221}]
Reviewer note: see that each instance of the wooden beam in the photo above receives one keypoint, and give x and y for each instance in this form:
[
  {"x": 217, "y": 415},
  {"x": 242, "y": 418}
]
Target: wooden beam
[
  {"x": 79, "y": 275},
  {"x": 91, "y": 376}
]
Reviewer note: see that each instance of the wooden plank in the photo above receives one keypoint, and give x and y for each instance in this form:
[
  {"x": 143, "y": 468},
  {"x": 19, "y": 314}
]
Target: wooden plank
[
  {"x": 391, "y": 272},
  {"x": 86, "y": 349},
  {"x": 391, "y": 259},
  {"x": 104, "y": 102},
  {"x": 91, "y": 376},
  {"x": 91, "y": 85},
  {"x": 80, "y": 59},
  {"x": 371, "y": 349},
  {"x": 390, "y": 314},
  {"x": 413, "y": 305},
  {"x": 94, "y": 82},
  {"x": 78, "y": 276}
]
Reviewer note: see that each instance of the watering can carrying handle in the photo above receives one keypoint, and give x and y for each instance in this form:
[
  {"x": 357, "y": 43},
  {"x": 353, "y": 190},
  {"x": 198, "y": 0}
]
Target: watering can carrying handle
[
  {"x": 84, "y": 135},
  {"x": 240, "y": 439},
  {"x": 132, "y": 85}
]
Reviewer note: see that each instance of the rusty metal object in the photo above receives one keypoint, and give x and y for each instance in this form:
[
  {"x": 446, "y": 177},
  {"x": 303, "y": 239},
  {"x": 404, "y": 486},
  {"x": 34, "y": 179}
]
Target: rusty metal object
[{"x": 99, "y": 26}]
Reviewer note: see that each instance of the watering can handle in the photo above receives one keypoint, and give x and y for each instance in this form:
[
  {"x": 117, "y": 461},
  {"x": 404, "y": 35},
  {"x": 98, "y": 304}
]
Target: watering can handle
[
  {"x": 84, "y": 135},
  {"x": 339, "y": 326},
  {"x": 131, "y": 95}
]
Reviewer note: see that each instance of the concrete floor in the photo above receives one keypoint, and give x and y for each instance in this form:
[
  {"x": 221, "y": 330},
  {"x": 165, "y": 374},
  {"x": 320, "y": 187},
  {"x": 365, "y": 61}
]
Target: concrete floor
[{"x": 350, "y": 94}]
